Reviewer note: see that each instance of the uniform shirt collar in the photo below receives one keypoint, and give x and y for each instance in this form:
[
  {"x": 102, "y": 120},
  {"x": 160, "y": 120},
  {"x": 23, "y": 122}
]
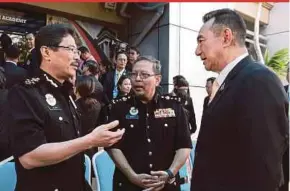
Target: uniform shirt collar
[
  {"x": 51, "y": 80},
  {"x": 224, "y": 73}
]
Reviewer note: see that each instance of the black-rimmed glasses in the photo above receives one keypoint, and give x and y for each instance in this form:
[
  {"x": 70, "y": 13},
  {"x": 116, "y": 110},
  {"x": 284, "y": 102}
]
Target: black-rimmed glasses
[
  {"x": 71, "y": 49},
  {"x": 142, "y": 75}
]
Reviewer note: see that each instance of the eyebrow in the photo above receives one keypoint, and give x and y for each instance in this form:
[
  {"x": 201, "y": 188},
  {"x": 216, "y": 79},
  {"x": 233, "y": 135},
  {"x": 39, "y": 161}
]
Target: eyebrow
[{"x": 199, "y": 37}]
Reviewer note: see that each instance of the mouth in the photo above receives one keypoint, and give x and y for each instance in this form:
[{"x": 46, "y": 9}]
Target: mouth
[
  {"x": 75, "y": 65},
  {"x": 138, "y": 87}
]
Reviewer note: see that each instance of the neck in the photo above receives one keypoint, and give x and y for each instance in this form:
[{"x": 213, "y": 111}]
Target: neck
[
  {"x": 231, "y": 55},
  {"x": 50, "y": 71},
  {"x": 148, "y": 98},
  {"x": 119, "y": 69}
]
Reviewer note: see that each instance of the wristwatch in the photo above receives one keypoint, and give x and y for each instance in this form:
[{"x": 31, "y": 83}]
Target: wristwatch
[{"x": 171, "y": 177}]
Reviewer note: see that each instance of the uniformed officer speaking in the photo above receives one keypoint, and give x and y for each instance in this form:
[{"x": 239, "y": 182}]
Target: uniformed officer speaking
[
  {"x": 45, "y": 128},
  {"x": 157, "y": 139}
]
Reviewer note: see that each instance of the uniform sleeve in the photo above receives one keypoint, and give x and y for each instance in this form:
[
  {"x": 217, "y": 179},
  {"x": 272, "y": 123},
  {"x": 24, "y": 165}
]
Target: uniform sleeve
[
  {"x": 26, "y": 121},
  {"x": 183, "y": 139}
]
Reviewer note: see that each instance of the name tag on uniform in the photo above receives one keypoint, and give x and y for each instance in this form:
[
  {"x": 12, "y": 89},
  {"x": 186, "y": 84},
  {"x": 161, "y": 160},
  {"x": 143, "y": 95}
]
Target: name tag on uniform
[{"x": 164, "y": 113}]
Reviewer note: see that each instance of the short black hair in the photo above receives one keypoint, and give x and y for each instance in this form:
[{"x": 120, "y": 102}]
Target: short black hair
[
  {"x": 5, "y": 40},
  {"x": 83, "y": 49},
  {"x": 12, "y": 52},
  {"x": 51, "y": 36},
  {"x": 177, "y": 78},
  {"x": 230, "y": 19},
  {"x": 93, "y": 67},
  {"x": 121, "y": 52},
  {"x": 181, "y": 82},
  {"x": 211, "y": 79},
  {"x": 135, "y": 49}
]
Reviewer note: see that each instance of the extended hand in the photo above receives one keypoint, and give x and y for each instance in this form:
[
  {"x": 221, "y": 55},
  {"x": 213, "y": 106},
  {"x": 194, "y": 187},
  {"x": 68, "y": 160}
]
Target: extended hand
[{"x": 101, "y": 136}]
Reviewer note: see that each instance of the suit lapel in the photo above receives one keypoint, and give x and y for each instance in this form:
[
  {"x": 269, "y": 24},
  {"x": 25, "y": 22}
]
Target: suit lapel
[{"x": 228, "y": 81}]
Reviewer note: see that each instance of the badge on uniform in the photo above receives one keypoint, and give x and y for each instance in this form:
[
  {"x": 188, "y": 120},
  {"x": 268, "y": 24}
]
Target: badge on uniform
[
  {"x": 133, "y": 113},
  {"x": 164, "y": 113},
  {"x": 50, "y": 99}
]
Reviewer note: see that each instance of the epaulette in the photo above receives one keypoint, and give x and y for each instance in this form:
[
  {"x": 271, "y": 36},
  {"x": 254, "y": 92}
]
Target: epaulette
[
  {"x": 170, "y": 97},
  {"x": 30, "y": 82},
  {"x": 122, "y": 99}
]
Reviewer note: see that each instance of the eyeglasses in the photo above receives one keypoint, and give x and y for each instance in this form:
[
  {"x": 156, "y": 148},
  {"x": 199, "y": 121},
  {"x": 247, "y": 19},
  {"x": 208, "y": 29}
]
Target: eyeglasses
[
  {"x": 71, "y": 49},
  {"x": 142, "y": 75}
]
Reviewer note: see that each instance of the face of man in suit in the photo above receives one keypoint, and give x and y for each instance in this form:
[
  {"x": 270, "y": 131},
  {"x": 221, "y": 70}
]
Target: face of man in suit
[
  {"x": 208, "y": 87},
  {"x": 30, "y": 40},
  {"x": 121, "y": 61},
  {"x": 144, "y": 80},
  {"x": 213, "y": 46}
]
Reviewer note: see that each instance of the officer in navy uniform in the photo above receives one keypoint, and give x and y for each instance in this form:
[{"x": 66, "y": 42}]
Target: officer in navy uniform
[
  {"x": 45, "y": 127},
  {"x": 157, "y": 139}
]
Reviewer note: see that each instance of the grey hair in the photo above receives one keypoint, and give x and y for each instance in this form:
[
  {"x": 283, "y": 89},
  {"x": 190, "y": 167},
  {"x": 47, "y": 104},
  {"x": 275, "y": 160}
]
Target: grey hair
[{"x": 156, "y": 63}]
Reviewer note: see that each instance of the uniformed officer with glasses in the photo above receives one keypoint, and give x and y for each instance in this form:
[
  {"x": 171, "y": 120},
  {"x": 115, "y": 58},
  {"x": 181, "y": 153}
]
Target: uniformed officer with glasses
[
  {"x": 157, "y": 139},
  {"x": 47, "y": 141}
]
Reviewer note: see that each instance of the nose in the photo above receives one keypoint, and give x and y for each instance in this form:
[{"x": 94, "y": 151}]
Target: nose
[{"x": 197, "y": 51}]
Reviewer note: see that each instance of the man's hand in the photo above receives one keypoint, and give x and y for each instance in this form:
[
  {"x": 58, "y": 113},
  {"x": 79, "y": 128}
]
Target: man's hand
[
  {"x": 101, "y": 136},
  {"x": 162, "y": 175},
  {"x": 146, "y": 181}
]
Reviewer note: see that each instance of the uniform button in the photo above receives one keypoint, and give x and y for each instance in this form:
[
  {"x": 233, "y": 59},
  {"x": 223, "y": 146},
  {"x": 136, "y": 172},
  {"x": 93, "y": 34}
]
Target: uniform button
[
  {"x": 147, "y": 114},
  {"x": 165, "y": 125},
  {"x": 78, "y": 132},
  {"x": 149, "y": 140},
  {"x": 131, "y": 125},
  {"x": 60, "y": 118},
  {"x": 120, "y": 184},
  {"x": 150, "y": 165},
  {"x": 74, "y": 116},
  {"x": 148, "y": 126},
  {"x": 56, "y": 190},
  {"x": 150, "y": 153}
]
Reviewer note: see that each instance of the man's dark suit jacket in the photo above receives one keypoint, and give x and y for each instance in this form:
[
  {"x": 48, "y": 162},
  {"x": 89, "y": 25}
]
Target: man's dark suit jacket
[
  {"x": 14, "y": 74},
  {"x": 31, "y": 64},
  {"x": 243, "y": 133},
  {"x": 205, "y": 103},
  {"x": 108, "y": 84}
]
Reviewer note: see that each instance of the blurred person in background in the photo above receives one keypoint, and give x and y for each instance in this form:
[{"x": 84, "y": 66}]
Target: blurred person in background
[
  {"x": 14, "y": 74},
  {"x": 181, "y": 89},
  {"x": 208, "y": 87},
  {"x": 133, "y": 55},
  {"x": 124, "y": 86}
]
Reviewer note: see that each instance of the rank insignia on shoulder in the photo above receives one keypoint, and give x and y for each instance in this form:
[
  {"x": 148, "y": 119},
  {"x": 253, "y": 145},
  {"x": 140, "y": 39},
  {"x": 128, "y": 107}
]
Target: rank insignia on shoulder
[
  {"x": 31, "y": 81},
  {"x": 50, "y": 99},
  {"x": 164, "y": 113}
]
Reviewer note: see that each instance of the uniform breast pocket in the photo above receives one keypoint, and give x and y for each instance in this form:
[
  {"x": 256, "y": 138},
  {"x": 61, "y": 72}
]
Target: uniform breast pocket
[
  {"x": 59, "y": 126},
  {"x": 167, "y": 126}
]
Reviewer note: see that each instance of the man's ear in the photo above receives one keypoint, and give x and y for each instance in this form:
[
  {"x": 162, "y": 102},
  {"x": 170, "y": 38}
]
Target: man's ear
[
  {"x": 45, "y": 53},
  {"x": 228, "y": 37},
  {"x": 158, "y": 80}
]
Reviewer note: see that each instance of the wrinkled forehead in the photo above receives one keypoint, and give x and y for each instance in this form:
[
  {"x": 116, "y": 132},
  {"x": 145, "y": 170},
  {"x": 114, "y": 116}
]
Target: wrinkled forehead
[{"x": 143, "y": 66}]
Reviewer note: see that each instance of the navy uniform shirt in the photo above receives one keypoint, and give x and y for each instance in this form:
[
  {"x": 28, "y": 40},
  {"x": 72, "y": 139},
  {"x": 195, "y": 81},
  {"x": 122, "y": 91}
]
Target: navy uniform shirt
[
  {"x": 154, "y": 131},
  {"x": 43, "y": 112}
]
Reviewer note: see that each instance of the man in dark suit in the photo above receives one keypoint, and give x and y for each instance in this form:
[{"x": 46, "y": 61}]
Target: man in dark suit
[
  {"x": 31, "y": 64},
  {"x": 244, "y": 131},
  {"x": 112, "y": 78},
  {"x": 208, "y": 88},
  {"x": 13, "y": 73}
]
